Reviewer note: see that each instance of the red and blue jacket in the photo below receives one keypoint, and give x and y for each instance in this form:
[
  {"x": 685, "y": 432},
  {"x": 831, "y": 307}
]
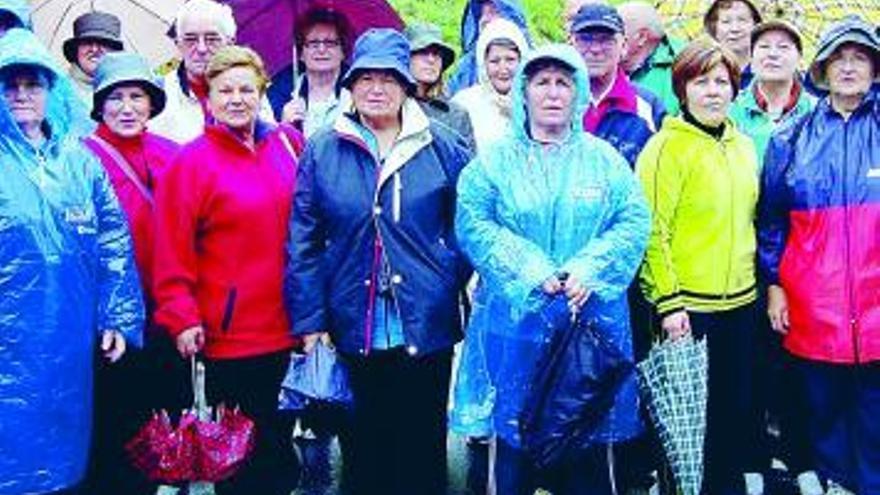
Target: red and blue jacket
[{"x": 819, "y": 231}]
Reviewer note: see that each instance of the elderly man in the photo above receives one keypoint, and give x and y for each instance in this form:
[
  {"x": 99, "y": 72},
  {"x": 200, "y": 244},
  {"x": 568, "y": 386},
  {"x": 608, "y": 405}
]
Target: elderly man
[
  {"x": 201, "y": 28},
  {"x": 94, "y": 34},
  {"x": 620, "y": 113},
  {"x": 649, "y": 51}
]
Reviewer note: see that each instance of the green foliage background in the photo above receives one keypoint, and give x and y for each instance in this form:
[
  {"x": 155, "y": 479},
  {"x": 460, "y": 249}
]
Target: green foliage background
[{"x": 545, "y": 16}]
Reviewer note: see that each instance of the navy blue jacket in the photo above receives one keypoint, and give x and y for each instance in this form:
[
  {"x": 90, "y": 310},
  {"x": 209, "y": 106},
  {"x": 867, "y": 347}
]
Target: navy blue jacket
[
  {"x": 338, "y": 210},
  {"x": 628, "y": 132}
]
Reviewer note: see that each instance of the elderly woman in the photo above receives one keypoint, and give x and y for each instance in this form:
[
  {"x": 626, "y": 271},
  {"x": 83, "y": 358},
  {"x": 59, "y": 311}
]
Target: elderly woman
[
  {"x": 549, "y": 200},
  {"x": 317, "y": 97},
  {"x": 700, "y": 177},
  {"x": 477, "y": 14},
  {"x": 374, "y": 266},
  {"x": 488, "y": 103},
  {"x": 221, "y": 225},
  {"x": 730, "y": 23},
  {"x": 776, "y": 94},
  {"x": 430, "y": 56},
  {"x": 67, "y": 278},
  {"x": 820, "y": 253},
  {"x": 126, "y": 95}
]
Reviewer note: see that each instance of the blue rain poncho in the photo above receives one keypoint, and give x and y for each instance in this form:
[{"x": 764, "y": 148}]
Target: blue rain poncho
[
  {"x": 66, "y": 274},
  {"x": 466, "y": 73},
  {"x": 525, "y": 212},
  {"x": 18, "y": 8}
]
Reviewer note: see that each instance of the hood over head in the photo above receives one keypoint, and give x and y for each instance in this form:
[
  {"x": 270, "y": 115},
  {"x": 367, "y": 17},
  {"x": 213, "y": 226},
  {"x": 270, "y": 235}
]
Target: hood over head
[
  {"x": 567, "y": 55},
  {"x": 499, "y": 29},
  {"x": 66, "y": 115}
]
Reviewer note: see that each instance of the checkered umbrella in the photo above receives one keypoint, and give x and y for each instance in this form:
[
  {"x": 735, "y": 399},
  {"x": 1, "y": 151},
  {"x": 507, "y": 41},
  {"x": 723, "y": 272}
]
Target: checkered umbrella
[
  {"x": 684, "y": 18},
  {"x": 673, "y": 382}
]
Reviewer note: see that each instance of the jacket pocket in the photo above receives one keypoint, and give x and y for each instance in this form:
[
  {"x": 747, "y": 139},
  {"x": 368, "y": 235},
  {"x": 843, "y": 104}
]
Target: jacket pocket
[{"x": 228, "y": 309}]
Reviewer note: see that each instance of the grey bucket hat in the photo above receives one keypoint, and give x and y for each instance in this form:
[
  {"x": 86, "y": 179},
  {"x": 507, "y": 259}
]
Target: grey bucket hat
[
  {"x": 94, "y": 25},
  {"x": 126, "y": 68},
  {"x": 424, "y": 35},
  {"x": 851, "y": 29}
]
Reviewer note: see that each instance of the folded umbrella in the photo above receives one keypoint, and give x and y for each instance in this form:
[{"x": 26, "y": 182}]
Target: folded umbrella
[
  {"x": 673, "y": 381},
  {"x": 203, "y": 448}
]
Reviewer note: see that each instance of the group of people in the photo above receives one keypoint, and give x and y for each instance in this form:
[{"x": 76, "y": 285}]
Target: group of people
[{"x": 664, "y": 190}]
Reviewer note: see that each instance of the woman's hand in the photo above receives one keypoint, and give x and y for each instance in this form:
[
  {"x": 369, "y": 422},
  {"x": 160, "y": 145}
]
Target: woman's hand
[
  {"x": 777, "y": 309},
  {"x": 112, "y": 345},
  {"x": 677, "y": 325},
  {"x": 576, "y": 292},
  {"x": 191, "y": 341},
  {"x": 312, "y": 339},
  {"x": 294, "y": 111}
]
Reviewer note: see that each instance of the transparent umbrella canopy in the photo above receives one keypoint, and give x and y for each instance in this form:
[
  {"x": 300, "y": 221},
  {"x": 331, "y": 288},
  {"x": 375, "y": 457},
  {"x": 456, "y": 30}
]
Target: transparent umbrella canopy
[
  {"x": 684, "y": 18},
  {"x": 144, "y": 24}
]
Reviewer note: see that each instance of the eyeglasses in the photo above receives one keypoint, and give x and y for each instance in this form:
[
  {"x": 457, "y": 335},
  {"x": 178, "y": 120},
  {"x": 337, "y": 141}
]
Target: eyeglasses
[
  {"x": 604, "y": 40},
  {"x": 315, "y": 44},
  {"x": 212, "y": 41}
]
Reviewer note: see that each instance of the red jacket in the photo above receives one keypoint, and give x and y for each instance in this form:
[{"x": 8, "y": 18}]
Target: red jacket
[
  {"x": 222, "y": 214},
  {"x": 148, "y": 155}
]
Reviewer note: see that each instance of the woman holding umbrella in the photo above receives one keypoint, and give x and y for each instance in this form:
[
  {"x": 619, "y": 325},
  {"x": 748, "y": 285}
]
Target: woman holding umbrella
[
  {"x": 550, "y": 210},
  {"x": 374, "y": 265},
  {"x": 222, "y": 209},
  {"x": 700, "y": 177},
  {"x": 317, "y": 97},
  {"x": 730, "y": 23},
  {"x": 67, "y": 278},
  {"x": 819, "y": 252}
]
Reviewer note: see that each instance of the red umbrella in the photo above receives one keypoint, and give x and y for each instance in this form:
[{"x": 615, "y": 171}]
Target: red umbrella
[
  {"x": 201, "y": 448},
  {"x": 267, "y": 25}
]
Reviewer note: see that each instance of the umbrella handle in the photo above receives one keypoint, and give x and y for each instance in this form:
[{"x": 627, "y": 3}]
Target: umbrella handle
[{"x": 200, "y": 402}]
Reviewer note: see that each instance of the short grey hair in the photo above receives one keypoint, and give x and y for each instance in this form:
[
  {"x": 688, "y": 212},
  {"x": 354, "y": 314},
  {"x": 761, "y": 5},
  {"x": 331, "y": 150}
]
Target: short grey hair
[{"x": 221, "y": 13}]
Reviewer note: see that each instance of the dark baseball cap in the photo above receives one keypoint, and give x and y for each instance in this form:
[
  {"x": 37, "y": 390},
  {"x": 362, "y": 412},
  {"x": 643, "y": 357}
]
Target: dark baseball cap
[{"x": 597, "y": 16}]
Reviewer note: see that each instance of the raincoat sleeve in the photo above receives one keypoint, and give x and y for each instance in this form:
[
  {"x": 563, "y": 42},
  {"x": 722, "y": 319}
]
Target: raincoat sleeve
[
  {"x": 120, "y": 301},
  {"x": 178, "y": 199},
  {"x": 607, "y": 264},
  {"x": 304, "y": 288},
  {"x": 506, "y": 260},
  {"x": 662, "y": 179},
  {"x": 773, "y": 210}
]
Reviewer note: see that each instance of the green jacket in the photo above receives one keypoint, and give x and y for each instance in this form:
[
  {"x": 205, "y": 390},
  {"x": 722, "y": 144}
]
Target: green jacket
[
  {"x": 702, "y": 192},
  {"x": 655, "y": 74},
  {"x": 756, "y": 123}
]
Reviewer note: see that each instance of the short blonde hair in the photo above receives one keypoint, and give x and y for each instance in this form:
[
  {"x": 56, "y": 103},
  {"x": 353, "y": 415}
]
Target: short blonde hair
[{"x": 232, "y": 56}]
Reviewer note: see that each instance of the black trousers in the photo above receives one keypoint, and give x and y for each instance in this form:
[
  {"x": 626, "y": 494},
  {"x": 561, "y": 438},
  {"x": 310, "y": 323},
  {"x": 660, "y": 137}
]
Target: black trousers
[
  {"x": 395, "y": 439},
  {"x": 253, "y": 384},
  {"x": 733, "y": 444},
  {"x": 126, "y": 393}
]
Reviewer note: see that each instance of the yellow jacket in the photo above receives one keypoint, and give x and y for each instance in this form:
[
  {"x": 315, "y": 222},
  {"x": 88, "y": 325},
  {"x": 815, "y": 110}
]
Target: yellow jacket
[{"x": 702, "y": 192}]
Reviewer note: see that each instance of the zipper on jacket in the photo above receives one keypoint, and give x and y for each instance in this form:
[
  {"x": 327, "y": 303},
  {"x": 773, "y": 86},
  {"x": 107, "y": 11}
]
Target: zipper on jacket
[
  {"x": 732, "y": 204},
  {"x": 229, "y": 309},
  {"x": 850, "y": 285},
  {"x": 379, "y": 256}
]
